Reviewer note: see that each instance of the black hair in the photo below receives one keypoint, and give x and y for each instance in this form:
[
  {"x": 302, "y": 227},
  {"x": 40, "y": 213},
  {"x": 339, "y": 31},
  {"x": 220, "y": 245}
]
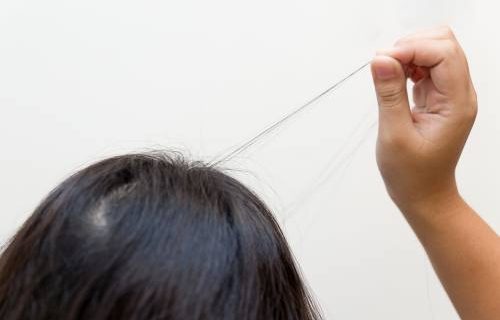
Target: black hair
[{"x": 151, "y": 236}]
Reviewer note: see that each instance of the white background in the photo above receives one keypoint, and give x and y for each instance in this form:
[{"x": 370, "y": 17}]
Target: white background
[{"x": 82, "y": 80}]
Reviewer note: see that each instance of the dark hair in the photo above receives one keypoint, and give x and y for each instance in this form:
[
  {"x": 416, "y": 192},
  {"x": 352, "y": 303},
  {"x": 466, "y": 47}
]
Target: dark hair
[{"x": 151, "y": 236}]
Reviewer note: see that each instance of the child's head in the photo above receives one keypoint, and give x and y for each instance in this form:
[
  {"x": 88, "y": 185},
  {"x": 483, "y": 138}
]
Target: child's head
[{"x": 151, "y": 237}]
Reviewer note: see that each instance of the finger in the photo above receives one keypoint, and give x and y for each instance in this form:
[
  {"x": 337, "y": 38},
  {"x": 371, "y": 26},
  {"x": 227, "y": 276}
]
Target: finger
[
  {"x": 390, "y": 85},
  {"x": 438, "y": 33},
  {"x": 444, "y": 58},
  {"x": 412, "y": 71},
  {"x": 423, "y": 53}
]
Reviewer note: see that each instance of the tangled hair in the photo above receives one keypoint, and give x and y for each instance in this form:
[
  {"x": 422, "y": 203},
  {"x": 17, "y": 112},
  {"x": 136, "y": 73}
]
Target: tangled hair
[{"x": 151, "y": 236}]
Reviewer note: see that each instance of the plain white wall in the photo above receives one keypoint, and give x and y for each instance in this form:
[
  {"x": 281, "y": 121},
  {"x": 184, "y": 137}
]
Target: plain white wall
[{"x": 82, "y": 80}]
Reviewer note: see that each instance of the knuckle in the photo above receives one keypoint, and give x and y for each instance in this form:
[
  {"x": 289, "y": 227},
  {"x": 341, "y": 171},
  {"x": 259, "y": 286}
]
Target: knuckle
[
  {"x": 468, "y": 109},
  {"x": 390, "y": 96},
  {"x": 401, "y": 41},
  {"x": 474, "y": 96},
  {"x": 448, "y": 31},
  {"x": 452, "y": 48},
  {"x": 473, "y": 113},
  {"x": 472, "y": 110}
]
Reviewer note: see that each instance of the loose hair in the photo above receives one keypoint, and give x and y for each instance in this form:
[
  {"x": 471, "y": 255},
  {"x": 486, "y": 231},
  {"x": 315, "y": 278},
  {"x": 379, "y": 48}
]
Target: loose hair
[{"x": 151, "y": 236}]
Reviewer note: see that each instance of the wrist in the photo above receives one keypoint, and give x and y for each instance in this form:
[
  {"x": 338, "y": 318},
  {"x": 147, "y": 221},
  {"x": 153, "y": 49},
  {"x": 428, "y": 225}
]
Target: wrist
[
  {"x": 435, "y": 210},
  {"x": 416, "y": 193},
  {"x": 435, "y": 201}
]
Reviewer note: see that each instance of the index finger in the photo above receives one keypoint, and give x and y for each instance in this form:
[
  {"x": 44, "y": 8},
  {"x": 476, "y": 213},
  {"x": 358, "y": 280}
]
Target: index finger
[{"x": 444, "y": 59}]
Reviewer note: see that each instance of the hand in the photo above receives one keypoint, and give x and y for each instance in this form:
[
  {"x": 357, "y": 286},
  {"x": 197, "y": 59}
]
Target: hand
[{"x": 418, "y": 148}]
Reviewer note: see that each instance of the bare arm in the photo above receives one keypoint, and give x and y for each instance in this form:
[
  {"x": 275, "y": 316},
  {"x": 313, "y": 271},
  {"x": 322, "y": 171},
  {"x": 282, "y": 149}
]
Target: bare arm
[
  {"x": 465, "y": 253},
  {"x": 417, "y": 152}
]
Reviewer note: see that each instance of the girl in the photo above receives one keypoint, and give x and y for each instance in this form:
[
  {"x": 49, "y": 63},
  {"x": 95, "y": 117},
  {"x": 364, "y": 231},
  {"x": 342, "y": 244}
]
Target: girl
[{"x": 154, "y": 236}]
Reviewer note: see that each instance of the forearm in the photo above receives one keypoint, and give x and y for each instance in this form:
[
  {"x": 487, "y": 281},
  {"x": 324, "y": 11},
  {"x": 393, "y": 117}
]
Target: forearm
[
  {"x": 418, "y": 148},
  {"x": 464, "y": 251}
]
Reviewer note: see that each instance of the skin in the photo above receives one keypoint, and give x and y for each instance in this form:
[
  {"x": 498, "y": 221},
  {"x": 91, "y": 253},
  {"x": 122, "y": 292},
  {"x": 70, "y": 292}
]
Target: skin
[{"x": 418, "y": 149}]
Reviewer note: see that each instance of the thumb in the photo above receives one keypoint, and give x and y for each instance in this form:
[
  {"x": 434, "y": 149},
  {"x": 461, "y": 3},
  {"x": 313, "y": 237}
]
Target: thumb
[{"x": 390, "y": 84}]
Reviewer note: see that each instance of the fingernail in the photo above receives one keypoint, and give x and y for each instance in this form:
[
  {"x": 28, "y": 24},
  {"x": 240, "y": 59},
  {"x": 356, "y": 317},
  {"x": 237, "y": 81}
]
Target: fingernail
[{"x": 384, "y": 69}]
